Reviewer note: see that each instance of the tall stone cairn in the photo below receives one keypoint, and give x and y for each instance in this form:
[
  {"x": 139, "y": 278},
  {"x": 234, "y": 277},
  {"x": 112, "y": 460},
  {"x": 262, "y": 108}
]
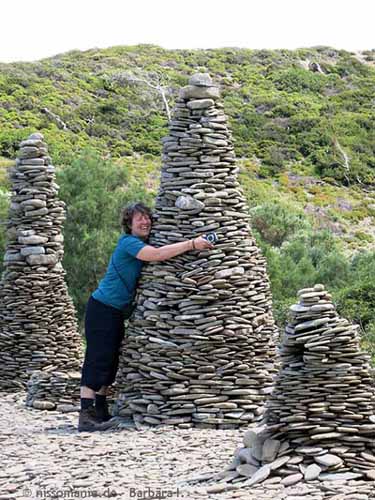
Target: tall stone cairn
[
  {"x": 38, "y": 330},
  {"x": 319, "y": 422},
  {"x": 199, "y": 351}
]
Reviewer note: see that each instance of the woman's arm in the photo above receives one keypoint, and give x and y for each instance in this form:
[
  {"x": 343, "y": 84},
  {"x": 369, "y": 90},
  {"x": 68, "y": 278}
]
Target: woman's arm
[{"x": 152, "y": 254}]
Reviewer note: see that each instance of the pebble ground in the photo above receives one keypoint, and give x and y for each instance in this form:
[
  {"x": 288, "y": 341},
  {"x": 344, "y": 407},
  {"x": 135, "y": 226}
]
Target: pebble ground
[{"x": 43, "y": 456}]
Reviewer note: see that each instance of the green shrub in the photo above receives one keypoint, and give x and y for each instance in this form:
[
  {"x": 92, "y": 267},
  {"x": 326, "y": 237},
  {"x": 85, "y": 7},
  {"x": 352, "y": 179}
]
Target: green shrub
[{"x": 276, "y": 222}]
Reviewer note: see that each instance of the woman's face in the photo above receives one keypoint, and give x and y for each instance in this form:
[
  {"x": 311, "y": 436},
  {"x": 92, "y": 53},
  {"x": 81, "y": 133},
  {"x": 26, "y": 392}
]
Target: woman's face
[{"x": 141, "y": 225}]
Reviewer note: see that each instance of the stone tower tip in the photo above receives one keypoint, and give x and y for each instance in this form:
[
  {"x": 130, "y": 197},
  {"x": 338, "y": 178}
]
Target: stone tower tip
[
  {"x": 200, "y": 86},
  {"x": 201, "y": 80},
  {"x": 36, "y": 136}
]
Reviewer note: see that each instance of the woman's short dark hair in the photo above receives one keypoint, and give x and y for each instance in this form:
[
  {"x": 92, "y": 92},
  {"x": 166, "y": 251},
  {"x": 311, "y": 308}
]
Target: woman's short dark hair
[{"x": 127, "y": 214}]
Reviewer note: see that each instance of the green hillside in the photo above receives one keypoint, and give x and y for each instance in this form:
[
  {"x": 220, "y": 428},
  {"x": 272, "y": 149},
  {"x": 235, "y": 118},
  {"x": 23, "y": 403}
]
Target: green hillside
[{"x": 313, "y": 107}]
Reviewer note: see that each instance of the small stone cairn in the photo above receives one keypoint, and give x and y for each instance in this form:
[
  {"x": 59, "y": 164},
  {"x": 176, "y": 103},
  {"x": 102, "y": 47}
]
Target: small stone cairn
[
  {"x": 319, "y": 422},
  {"x": 54, "y": 391},
  {"x": 200, "y": 349},
  {"x": 38, "y": 330}
]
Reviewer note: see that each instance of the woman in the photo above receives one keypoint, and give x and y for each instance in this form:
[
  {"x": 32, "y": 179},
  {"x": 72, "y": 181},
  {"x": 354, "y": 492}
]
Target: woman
[{"x": 111, "y": 303}]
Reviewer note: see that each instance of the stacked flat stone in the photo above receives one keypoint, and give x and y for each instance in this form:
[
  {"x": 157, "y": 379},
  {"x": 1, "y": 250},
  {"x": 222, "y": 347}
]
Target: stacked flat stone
[
  {"x": 319, "y": 421},
  {"x": 54, "y": 391},
  {"x": 38, "y": 329},
  {"x": 200, "y": 349}
]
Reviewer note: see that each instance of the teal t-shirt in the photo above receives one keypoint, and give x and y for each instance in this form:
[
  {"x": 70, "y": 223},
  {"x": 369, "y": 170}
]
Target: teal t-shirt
[{"x": 117, "y": 288}]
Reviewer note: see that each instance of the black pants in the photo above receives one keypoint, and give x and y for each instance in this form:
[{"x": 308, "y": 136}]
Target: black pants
[{"x": 104, "y": 332}]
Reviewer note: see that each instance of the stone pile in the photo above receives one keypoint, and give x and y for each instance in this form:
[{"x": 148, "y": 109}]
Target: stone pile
[
  {"x": 38, "y": 329},
  {"x": 200, "y": 348},
  {"x": 54, "y": 391},
  {"x": 319, "y": 421}
]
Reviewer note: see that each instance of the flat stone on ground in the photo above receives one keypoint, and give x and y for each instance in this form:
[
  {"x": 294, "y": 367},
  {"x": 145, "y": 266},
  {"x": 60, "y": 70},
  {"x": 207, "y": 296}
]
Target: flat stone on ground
[{"x": 312, "y": 472}]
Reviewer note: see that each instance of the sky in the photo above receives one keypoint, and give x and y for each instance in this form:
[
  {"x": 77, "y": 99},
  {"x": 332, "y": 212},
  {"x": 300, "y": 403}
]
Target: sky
[{"x": 34, "y": 29}]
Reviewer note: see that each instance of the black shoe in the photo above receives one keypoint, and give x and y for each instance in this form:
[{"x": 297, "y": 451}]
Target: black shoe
[{"x": 89, "y": 422}]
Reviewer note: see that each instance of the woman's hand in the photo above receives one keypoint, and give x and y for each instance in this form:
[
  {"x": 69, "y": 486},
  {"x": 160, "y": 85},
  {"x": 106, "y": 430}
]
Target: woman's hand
[{"x": 201, "y": 243}]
